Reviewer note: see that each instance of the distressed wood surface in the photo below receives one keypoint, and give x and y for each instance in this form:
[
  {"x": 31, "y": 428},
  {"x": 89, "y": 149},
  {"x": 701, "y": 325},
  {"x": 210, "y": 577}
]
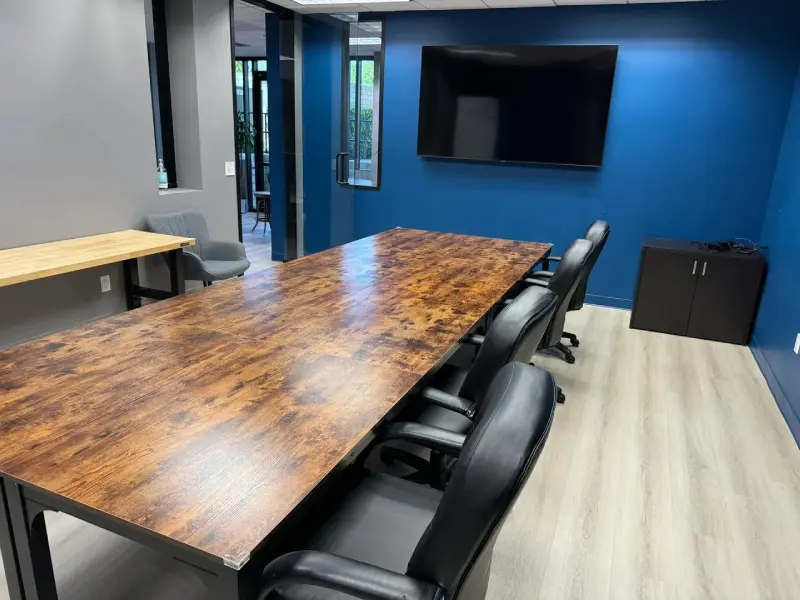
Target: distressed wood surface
[
  {"x": 206, "y": 418},
  {"x": 28, "y": 263}
]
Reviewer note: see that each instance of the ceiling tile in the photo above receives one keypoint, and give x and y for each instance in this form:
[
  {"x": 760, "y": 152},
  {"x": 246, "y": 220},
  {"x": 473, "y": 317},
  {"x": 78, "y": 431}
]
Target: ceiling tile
[
  {"x": 519, "y": 3},
  {"x": 452, "y": 4},
  {"x": 394, "y": 6},
  {"x": 581, "y": 2}
]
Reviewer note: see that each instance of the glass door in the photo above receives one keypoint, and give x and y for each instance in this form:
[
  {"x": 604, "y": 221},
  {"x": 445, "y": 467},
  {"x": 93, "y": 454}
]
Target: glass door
[
  {"x": 261, "y": 128},
  {"x": 328, "y": 193}
]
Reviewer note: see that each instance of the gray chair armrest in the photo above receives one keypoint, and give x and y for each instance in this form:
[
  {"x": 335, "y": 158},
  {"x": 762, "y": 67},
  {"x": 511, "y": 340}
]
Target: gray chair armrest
[
  {"x": 542, "y": 274},
  {"x": 345, "y": 575},
  {"x": 433, "y": 438},
  {"x": 193, "y": 265},
  {"x": 219, "y": 250},
  {"x": 449, "y": 401}
]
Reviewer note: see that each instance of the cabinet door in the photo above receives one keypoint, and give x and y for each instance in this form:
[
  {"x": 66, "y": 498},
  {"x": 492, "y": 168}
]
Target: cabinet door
[
  {"x": 725, "y": 299},
  {"x": 666, "y": 287}
]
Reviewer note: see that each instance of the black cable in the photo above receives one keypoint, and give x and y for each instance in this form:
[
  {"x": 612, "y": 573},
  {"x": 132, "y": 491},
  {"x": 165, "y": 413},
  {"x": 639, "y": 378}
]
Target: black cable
[{"x": 731, "y": 245}]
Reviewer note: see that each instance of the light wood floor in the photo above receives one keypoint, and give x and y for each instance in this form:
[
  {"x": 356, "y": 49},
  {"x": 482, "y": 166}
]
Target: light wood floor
[
  {"x": 257, "y": 244},
  {"x": 669, "y": 474}
]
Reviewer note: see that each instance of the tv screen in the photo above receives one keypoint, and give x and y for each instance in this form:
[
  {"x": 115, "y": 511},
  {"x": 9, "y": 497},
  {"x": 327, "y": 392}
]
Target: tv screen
[{"x": 531, "y": 104}]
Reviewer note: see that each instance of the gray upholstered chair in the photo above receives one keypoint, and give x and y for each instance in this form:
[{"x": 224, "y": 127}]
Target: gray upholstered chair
[{"x": 208, "y": 260}]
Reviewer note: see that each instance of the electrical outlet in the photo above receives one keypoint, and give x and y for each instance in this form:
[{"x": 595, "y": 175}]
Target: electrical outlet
[
  {"x": 797, "y": 344},
  {"x": 105, "y": 283},
  {"x": 230, "y": 168}
]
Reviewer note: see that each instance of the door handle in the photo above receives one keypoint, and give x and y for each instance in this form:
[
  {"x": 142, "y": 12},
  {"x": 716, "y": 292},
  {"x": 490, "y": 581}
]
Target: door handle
[
  {"x": 694, "y": 269},
  {"x": 705, "y": 264},
  {"x": 341, "y": 167}
]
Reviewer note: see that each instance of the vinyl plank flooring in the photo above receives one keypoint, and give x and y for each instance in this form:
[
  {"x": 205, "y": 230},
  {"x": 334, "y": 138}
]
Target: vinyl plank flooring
[{"x": 669, "y": 475}]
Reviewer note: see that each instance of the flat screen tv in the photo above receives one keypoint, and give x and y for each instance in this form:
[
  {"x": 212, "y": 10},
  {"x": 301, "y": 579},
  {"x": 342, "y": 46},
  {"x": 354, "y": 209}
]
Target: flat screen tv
[{"x": 528, "y": 104}]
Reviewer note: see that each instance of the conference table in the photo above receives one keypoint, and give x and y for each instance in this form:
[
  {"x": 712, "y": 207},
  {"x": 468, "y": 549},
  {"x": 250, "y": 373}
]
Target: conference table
[{"x": 201, "y": 426}]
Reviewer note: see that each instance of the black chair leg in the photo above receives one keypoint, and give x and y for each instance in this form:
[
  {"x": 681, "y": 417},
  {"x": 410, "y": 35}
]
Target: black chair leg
[
  {"x": 561, "y": 397},
  {"x": 568, "y": 356},
  {"x": 573, "y": 339}
]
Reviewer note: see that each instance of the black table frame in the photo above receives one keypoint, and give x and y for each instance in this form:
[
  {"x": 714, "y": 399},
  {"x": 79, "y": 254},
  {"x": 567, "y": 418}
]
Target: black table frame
[{"x": 177, "y": 280}]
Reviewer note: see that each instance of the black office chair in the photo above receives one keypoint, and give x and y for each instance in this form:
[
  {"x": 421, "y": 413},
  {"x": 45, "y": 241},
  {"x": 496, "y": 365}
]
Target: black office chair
[
  {"x": 391, "y": 538},
  {"x": 564, "y": 282},
  {"x": 453, "y": 395},
  {"x": 597, "y": 233}
]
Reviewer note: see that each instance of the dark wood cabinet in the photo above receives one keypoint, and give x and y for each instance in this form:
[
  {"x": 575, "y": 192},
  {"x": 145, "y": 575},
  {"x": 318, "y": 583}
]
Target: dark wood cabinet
[{"x": 686, "y": 290}]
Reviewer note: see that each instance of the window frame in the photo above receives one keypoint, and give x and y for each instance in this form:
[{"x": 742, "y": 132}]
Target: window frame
[
  {"x": 345, "y": 114},
  {"x": 162, "y": 85}
]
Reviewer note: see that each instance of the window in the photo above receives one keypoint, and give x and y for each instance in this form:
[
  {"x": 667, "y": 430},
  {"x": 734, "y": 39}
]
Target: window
[
  {"x": 252, "y": 128},
  {"x": 158, "y": 62},
  {"x": 363, "y": 106}
]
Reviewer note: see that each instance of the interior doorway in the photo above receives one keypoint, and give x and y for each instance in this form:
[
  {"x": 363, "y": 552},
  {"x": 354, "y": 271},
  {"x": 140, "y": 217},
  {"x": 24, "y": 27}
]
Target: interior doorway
[{"x": 252, "y": 132}]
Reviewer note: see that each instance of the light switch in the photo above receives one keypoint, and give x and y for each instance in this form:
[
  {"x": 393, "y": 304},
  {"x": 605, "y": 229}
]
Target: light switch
[{"x": 230, "y": 168}]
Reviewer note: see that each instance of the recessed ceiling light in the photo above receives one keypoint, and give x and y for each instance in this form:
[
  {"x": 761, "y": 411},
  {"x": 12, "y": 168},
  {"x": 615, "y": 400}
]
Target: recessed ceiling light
[{"x": 345, "y": 1}]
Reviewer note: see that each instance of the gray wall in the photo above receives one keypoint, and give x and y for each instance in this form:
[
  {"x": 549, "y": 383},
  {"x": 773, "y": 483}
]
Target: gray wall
[{"x": 77, "y": 154}]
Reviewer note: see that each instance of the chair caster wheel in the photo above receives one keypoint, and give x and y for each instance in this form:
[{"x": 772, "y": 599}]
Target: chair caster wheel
[
  {"x": 575, "y": 344},
  {"x": 561, "y": 399},
  {"x": 570, "y": 359}
]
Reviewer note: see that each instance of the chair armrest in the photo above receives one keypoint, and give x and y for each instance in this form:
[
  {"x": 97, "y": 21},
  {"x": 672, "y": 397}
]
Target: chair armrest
[
  {"x": 194, "y": 268},
  {"x": 542, "y": 274},
  {"x": 449, "y": 401},
  {"x": 219, "y": 250},
  {"x": 474, "y": 339},
  {"x": 552, "y": 259},
  {"x": 345, "y": 575},
  {"x": 532, "y": 281},
  {"x": 433, "y": 438}
]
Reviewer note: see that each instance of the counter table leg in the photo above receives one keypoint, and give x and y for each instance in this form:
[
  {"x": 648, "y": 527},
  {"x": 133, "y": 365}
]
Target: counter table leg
[
  {"x": 9, "y": 551},
  {"x": 177, "y": 274},
  {"x": 33, "y": 547}
]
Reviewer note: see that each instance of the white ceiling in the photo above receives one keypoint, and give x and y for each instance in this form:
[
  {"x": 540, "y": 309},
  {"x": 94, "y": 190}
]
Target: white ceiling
[
  {"x": 248, "y": 27},
  {"x": 334, "y": 6}
]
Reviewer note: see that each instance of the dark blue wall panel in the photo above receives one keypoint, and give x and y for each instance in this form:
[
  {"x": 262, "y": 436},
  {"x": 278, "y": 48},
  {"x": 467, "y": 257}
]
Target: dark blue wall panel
[
  {"x": 698, "y": 114},
  {"x": 779, "y": 316}
]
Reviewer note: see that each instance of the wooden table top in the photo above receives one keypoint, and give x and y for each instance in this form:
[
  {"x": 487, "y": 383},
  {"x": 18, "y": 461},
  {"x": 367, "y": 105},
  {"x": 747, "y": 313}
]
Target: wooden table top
[
  {"x": 208, "y": 417},
  {"x": 27, "y": 263}
]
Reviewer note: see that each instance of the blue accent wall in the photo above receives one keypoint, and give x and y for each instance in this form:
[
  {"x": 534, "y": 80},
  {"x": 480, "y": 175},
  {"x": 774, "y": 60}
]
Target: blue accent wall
[
  {"x": 327, "y": 207},
  {"x": 698, "y": 113},
  {"x": 779, "y": 316}
]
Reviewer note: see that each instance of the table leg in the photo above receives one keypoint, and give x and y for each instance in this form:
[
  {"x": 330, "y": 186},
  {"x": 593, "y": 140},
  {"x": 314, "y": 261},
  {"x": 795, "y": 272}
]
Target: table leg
[
  {"x": 33, "y": 548},
  {"x": 177, "y": 275},
  {"x": 130, "y": 272},
  {"x": 231, "y": 585},
  {"x": 10, "y": 560}
]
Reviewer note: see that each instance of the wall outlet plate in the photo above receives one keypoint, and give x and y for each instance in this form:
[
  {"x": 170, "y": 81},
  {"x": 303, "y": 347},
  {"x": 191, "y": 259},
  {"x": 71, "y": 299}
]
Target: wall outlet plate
[
  {"x": 105, "y": 283},
  {"x": 797, "y": 344},
  {"x": 230, "y": 168}
]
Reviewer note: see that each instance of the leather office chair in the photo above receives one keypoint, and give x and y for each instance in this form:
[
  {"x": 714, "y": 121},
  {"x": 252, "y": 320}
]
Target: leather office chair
[
  {"x": 564, "y": 282},
  {"x": 454, "y": 394},
  {"x": 390, "y": 538},
  {"x": 597, "y": 233},
  {"x": 208, "y": 260}
]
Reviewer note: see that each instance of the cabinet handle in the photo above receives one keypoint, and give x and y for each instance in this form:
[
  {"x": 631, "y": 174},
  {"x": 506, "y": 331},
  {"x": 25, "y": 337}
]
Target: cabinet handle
[
  {"x": 694, "y": 269},
  {"x": 705, "y": 264}
]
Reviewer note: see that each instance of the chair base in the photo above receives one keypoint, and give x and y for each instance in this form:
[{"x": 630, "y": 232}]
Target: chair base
[
  {"x": 569, "y": 357},
  {"x": 561, "y": 399},
  {"x": 573, "y": 339}
]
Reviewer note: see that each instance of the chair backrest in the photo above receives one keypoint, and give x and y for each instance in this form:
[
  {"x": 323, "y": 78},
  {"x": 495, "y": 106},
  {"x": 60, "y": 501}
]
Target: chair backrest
[
  {"x": 188, "y": 223},
  {"x": 514, "y": 335},
  {"x": 569, "y": 273},
  {"x": 597, "y": 233},
  {"x": 496, "y": 461}
]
